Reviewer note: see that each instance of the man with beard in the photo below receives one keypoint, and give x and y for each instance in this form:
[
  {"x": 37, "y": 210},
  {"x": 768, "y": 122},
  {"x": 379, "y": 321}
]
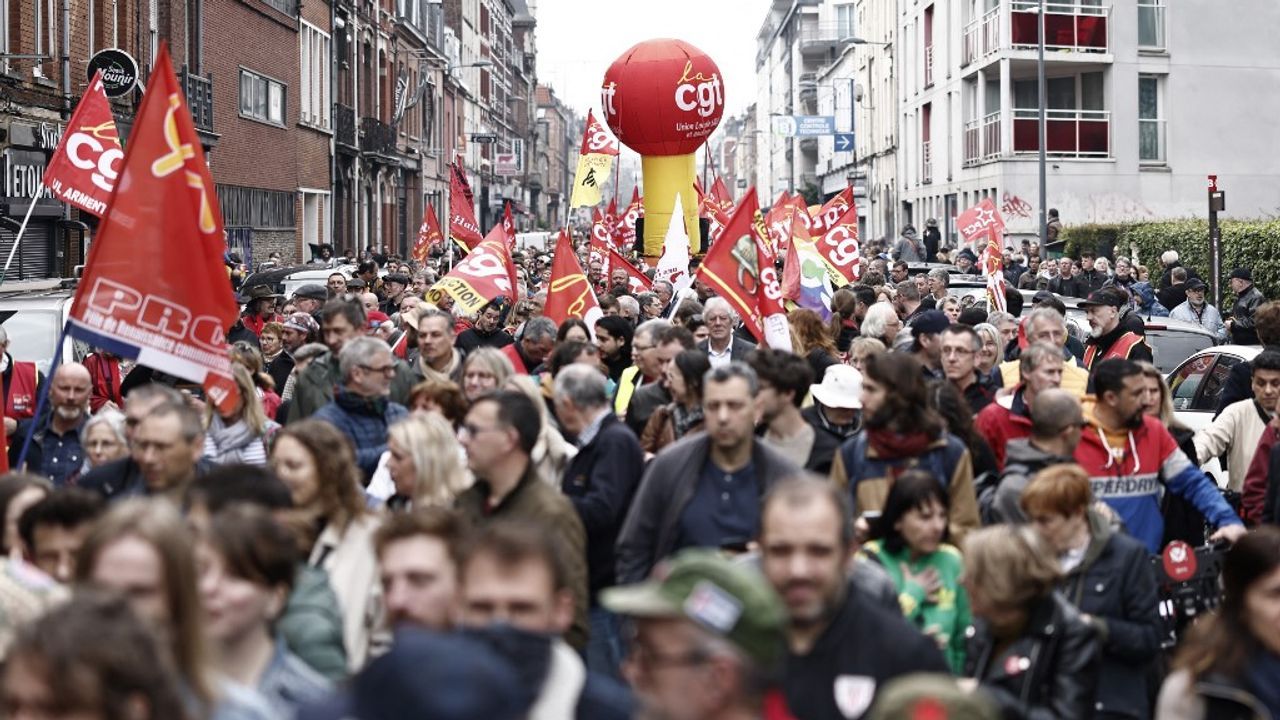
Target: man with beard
[
  {"x": 1131, "y": 459},
  {"x": 843, "y": 646},
  {"x": 56, "y": 452},
  {"x": 295, "y": 331},
  {"x": 418, "y": 556},
  {"x": 1111, "y": 339}
]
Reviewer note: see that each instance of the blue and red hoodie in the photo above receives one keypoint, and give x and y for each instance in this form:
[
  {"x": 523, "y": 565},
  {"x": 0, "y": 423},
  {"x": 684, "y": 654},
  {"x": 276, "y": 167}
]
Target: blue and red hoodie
[{"x": 1130, "y": 469}]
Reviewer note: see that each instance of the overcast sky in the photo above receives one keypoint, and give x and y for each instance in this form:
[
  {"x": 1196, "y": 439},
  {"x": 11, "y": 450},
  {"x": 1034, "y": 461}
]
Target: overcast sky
[{"x": 579, "y": 39}]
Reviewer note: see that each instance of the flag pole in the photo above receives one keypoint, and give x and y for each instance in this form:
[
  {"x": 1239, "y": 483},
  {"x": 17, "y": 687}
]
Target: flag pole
[
  {"x": 41, "y": 397},
  {"x": 17, "y": 240}
]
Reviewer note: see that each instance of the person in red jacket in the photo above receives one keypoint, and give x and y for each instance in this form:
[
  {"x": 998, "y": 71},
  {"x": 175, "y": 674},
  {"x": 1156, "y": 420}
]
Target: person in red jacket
[
  {"x": 104, "y": 375},
  {"x": 21, "y": 380},
  {"x": 1009, "y": 417}
]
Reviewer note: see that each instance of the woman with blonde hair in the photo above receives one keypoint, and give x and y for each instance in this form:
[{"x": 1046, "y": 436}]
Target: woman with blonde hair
[
  {"x": 241, "y": 435},
  {"x": 426, "y": 463},
  {"x": 144, "y": 550},
  {"x": 484, "y": 371},
  {"x": 318, "y": 465},
  {"x": 812, "y": 340},
  {"x": 860, "y": 348},
  {"x": 552, "y": 453},
  {"x": 992, "y": 352},
  {"x": 1021, "y": 622}
]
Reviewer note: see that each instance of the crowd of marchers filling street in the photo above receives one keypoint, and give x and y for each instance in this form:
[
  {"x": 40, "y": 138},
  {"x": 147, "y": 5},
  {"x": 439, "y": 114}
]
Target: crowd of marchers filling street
[{"x": 416, "y": 511}]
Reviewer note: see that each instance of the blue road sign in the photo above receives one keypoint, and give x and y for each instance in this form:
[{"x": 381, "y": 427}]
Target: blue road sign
[{"x": 844, "y": 142}]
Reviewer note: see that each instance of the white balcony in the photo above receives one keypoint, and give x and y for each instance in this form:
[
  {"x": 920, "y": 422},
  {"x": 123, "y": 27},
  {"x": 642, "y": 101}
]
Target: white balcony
[
  {"x": 928, "y": 66},
  {"x": 1070, "y": 30},
  {"x": 982, "y": 139}
]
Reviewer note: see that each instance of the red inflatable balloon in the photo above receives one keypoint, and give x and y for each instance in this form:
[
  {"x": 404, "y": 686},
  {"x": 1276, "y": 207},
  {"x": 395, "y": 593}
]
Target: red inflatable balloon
[{"x": 663, "y": 97}]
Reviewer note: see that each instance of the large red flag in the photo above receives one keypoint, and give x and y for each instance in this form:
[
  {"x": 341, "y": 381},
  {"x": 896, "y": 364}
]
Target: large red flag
[
  {"x": 773, "y": 316},
  {"x": 624, "y": 233},
  {"x": 155, "y": 287},
  {"x": 485, "y": 274},
  {"x": 85, "y": 166},
  {"x": 463, "y": 227},
  {"x": 975, "y": 223},
  {"x": 832, "y": 212},
  {"x": 429, "y": 235},
  {"x": 731, "y": 266},
  {"x": 838, "y": 245},
  {"x": 570, "y": 294}
]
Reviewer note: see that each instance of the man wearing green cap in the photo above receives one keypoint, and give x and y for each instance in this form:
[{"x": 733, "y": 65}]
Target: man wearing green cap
[{"x": 709, "y": 637}]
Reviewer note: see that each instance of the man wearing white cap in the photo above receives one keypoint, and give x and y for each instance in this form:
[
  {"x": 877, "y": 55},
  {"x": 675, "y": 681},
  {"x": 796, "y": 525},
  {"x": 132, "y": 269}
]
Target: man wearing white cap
[{"x": 811, "y": 437}]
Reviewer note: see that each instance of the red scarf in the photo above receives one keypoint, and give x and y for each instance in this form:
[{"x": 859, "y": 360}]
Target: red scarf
[{"x": 890, "y": 445}]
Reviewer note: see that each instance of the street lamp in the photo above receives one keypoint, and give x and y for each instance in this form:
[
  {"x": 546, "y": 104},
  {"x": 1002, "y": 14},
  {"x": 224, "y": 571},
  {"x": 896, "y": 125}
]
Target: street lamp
[{"x": 863, "y": 41}]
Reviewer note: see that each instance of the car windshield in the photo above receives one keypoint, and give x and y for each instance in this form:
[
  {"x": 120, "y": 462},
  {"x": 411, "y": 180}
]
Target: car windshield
[
  {"x": 33, "y": 335},
  {"x": 1171, "y": 347}
]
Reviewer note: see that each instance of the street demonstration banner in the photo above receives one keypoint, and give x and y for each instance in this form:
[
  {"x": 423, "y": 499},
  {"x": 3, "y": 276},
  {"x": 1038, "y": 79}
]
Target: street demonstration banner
[
  {"x": 739, "y": 268},
  {"x": 463, "y": 227},
  {"x": 85, "y": 166},
  {"x": 983, "y": 224},
  {"x": 429, "y": 235},
  {"x": 624, "y": 232},
  {"x": 155, "y": 287},
  {"x": 838, "y": 245},
  {"x": 570, "y": 294},
  {"x": 485, "y": 274},
  {"x": 595, "y": 162}
]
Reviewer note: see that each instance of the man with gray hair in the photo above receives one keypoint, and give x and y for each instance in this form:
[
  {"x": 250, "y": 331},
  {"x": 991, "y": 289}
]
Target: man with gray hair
[
  {"x": 721, "y": 345},
  {"x": 55, "y": 451},
  {"x": 534, "y": 345},
  {"x": 666, "y": 293},
  {"x": 360, "y": 408},
  {"x": 1009, "y": 417},
  {"x": 704, "y": 490},
  {"x": 600, "y": 481},
  {"x": 628, "y": 307},
  {"x": 939, "y": 281},
  {"x": 646, "y": 367}
]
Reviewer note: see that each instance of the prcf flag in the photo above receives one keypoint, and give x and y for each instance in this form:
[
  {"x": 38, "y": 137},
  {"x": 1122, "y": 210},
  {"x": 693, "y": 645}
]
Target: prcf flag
[
  {"x": 570, "y": 294},
  {"x": 171, "y": 311},
  {"x": 463, "y": 227},
  {"x": 732, "y": 268},
  {"x": 429, "y": 235},
  {"x": 85, "y": 166},
  {"x": 979, "y": 221},
  {"x": 485, "y": 274},
  {"x": 595, "y": 162}
]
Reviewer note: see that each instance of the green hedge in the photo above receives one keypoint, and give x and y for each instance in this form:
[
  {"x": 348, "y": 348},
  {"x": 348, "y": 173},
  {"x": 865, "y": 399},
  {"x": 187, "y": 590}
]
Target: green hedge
[{"x": 1254, "y": 244}]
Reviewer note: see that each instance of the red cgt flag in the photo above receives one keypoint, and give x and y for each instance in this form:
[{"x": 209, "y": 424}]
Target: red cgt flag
[
  {"x": 463, "y": 227},
  {"x": 624, "y": 233},
  {"x": 832, "y": 212},
  {"x": 731, "y": 266},
  {"x": 570, "y": 294},
  {"x": 429, "y": 235},
  {"x": 171, "y": 311},
  {"x": 838, "y": 244},
  {"x": 485, "y": 274},
  {"x": 85, "y": 166}
]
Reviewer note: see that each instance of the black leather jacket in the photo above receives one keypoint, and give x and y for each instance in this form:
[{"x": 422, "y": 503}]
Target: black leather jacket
[{"x": 1049, "y": 673}]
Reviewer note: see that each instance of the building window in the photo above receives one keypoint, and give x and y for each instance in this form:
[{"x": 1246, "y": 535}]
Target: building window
[
  {"x": 261, "y": 98},
  {"x": 844, "y": 21},
  {"x": 314, "y": 97},
  {"x": 1151, "y": 123},
  {"x": 1151, "y": 24}
]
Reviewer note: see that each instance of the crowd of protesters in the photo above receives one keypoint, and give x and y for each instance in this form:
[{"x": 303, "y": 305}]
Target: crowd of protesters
[{"x": 923, "y": 510}]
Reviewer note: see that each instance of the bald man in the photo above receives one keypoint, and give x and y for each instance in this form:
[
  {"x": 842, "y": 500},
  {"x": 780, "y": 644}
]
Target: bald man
[
  {"x": 55, "y": 451},
  {"x": 1056, "y": 423}
]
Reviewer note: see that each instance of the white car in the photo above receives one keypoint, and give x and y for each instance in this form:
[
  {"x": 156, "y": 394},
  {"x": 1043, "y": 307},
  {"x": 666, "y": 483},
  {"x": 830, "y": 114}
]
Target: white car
[{"x": 1196, "y": 386}]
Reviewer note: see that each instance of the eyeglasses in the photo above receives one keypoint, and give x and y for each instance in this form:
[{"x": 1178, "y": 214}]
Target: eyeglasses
[
  {"x": 386, "y": 370},
  {"x": 642, "y": 348}
]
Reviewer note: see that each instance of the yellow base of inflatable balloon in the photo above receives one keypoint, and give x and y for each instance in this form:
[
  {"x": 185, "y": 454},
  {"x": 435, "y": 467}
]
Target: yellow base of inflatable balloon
[{"x": 666, "y": 176}]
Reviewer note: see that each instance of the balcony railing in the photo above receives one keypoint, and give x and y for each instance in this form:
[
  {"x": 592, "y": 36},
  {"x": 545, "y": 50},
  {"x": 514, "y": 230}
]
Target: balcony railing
[
  {"x": 1067, "y": 26},
  {"x": 1069, "y": 133},
  {"x": 818, "y": 38},
  {"x": 982, "y": 36},
  {"x": 199, "y": 92},
  {"x": 377, "y": 137},
  {"x": 928, "y": 66},
  {"x": 926, "y": 161},
  {"x": 981, "y": 139},
  {"x": 344, "y": 121}
]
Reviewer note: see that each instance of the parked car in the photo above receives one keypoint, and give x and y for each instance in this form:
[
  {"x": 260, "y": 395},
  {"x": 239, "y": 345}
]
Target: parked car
[
  {"x": 286, "y": 280},
  {"x": 34, "y": 317},
  {"x": 1196, "y": 386}
]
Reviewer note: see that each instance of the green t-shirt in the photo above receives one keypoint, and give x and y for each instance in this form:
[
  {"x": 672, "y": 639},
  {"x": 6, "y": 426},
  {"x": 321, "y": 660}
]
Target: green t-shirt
[{"x": 944, "y": 620}]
